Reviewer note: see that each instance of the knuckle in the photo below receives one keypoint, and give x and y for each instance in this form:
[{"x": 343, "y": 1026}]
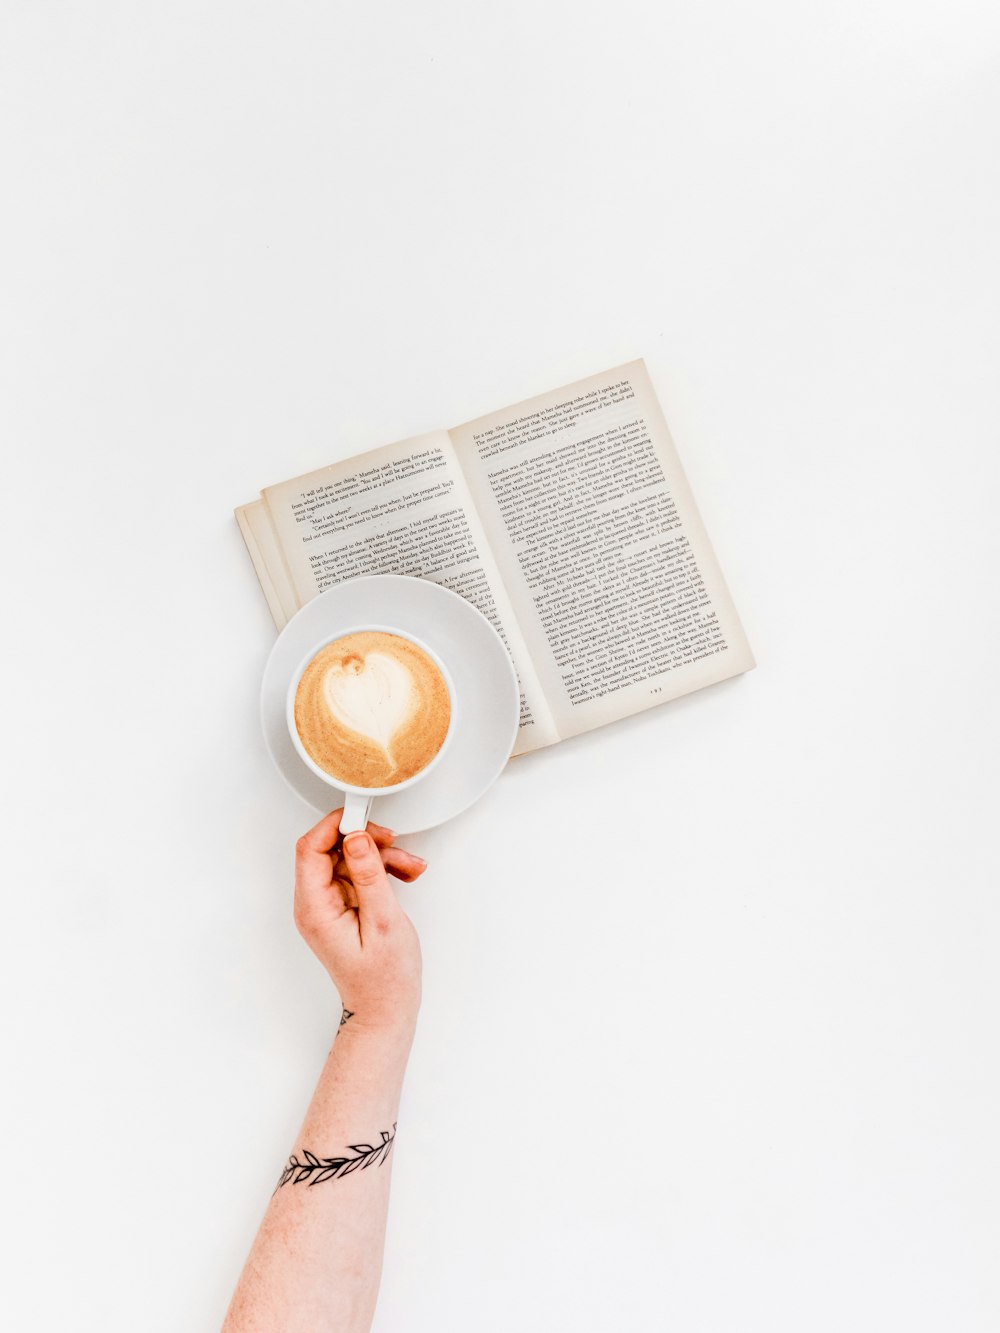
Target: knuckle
[{"x": 367, "y": 877}]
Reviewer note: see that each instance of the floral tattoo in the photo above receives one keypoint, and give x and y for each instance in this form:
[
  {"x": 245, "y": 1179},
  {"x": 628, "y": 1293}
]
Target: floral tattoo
[{"x": 317, "y": 1169}]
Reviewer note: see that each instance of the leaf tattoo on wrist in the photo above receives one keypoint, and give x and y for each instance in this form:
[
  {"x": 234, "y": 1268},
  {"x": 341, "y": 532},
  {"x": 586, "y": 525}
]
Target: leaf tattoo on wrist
[
  {"x": 317, "y": 1169},
  {"x": 348, "y": 1013}
]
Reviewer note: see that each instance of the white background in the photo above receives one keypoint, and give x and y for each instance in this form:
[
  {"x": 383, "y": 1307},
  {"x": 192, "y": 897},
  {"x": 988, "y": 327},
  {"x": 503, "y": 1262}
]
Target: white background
[{"x": 729, "y": 1065}]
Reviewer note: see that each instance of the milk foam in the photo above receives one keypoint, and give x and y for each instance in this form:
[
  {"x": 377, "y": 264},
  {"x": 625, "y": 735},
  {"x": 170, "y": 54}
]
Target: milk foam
[
  {"x": 372, "y": 709},
  {"x": 373, "y": 697}
]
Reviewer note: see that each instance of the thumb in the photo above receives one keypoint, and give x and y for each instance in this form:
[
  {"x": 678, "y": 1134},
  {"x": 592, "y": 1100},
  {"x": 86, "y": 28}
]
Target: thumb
[{"x": 364, "y": 865}]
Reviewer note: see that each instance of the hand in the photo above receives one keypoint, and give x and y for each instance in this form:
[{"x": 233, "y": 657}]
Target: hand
[{"x": 348, "y": 915}]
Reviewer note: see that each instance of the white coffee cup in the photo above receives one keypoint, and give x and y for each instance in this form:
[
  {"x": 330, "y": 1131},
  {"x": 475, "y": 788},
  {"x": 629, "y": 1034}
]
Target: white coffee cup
[{"x": 358, "y": 800}]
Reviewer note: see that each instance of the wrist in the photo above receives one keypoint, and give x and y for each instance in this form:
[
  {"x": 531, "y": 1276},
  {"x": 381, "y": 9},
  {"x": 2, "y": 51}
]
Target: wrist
[
  {"x": 396, "y": 1030},
  {"x": 377, "y": 1053}
]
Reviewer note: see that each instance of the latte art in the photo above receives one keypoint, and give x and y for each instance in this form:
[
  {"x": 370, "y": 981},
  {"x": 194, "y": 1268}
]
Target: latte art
[
  {"x": 372, "y": 696},
  {"x": 372, "y": 709}
]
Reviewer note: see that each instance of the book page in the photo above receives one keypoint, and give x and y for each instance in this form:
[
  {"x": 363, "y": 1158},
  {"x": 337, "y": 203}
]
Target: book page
[
  {"x": 620, "y": 597},
  {"x": 404, "y": 509},
  {"x": 258, "y": 533}
]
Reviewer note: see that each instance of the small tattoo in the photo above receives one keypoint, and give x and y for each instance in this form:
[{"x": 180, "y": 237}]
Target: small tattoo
[
  {"x": 327, "y": 1168},
  {"x": 348, "y": 1013}
]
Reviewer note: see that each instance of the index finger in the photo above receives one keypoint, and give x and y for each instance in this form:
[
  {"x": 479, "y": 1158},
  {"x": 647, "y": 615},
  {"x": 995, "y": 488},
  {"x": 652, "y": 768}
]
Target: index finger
[{"x": 322, "y": 836}]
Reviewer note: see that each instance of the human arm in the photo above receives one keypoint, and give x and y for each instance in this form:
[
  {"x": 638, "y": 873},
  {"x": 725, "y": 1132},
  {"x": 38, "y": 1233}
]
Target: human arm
[{"x": 317, "y": 1258}]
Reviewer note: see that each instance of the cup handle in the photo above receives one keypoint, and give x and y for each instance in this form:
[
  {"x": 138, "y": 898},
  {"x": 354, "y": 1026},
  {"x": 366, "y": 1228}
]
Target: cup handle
[{"x": 356, "y": 811}]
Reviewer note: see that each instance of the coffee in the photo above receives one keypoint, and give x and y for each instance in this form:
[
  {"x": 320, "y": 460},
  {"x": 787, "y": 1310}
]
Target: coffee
[{"x": 372, "y": 709}]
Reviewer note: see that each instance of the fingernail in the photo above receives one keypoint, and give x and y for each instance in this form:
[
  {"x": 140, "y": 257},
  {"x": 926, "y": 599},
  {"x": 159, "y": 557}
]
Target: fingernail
[{"x": 357, "y": 848}]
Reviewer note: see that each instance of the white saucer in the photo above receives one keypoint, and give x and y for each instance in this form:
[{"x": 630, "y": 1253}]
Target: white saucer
[{"x": 486, "y": 697}]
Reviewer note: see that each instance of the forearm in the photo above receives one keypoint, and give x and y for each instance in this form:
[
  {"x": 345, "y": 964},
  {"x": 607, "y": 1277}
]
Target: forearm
[{"x": 317, "y": 1258}]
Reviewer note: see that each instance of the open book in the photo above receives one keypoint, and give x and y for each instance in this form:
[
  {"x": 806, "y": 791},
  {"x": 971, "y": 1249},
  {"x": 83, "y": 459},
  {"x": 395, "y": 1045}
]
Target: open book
[{"x": 565, "y": 519}]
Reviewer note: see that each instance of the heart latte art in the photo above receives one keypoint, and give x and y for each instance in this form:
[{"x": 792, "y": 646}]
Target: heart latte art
[{"x": 372, "y": 709}]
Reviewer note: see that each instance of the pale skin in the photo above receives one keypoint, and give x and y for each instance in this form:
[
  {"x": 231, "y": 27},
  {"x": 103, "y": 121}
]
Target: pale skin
[{"x": 317, "y": 1258}]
